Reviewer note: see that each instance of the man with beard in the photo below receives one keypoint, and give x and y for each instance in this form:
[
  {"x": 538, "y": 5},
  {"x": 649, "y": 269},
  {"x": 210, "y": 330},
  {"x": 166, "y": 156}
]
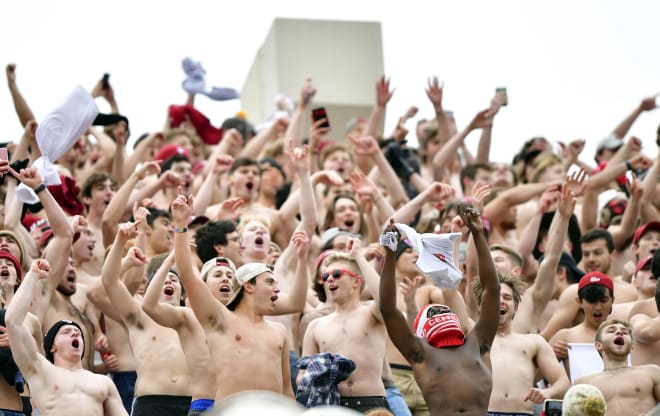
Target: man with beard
[
  {"x": 628, "y": 390},
  {"x": 448, "y": 364},
  {"x": 59, "y": 384},
  {"x": 595, "y": 299},
  {"x": 60, "y": 299}
]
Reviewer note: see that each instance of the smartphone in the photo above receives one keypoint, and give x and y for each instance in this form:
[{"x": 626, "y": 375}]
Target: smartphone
[
  {"x": 105, "y": 81},
  {"x": 320, "y": 113},
  {"x": 3, "y": 153},
  {"x": 552, "y": 407},
  {"x": 501, "y": 92}
]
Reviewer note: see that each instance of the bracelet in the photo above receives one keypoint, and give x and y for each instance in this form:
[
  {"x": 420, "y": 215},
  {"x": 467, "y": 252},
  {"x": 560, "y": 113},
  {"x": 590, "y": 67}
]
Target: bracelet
[
  {"x": 629, "y": 165},
  {"x": 180, "y": 230},
  {"x": 40, "y": 188}
]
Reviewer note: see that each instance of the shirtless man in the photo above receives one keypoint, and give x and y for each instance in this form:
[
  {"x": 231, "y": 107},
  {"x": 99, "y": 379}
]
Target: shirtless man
[
  {"x": 244, "y": 183},
  {"x": 60, "y": 295},
  {"x": 59, "y": 384},
  {"x": 241, "y": 342},
  {"x": 645, "y": 322},
  {"x": 353, "y": 329},
  {"x": 628, "y": 390},
  {"x": 164, "y": 385},
  {"x": 517, "y": 359},
  {"x": 448, "y": 366},
  {"x": 595, "y": 298},
  {"x": 96, "y": 193}
]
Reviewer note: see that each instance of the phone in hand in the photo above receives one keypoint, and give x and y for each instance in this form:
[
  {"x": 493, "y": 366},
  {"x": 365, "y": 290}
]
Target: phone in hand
[
  {"x": 320, "y": 113},
  {"x": 552, "y": 407},
  {"x": 501, "y": 93},
  {"x": 3, "y": 153},
  {"x": 106, "y": 81}
]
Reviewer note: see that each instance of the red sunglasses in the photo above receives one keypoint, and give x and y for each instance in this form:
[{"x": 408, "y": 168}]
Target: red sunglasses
[{"x": 336, "y": 274}]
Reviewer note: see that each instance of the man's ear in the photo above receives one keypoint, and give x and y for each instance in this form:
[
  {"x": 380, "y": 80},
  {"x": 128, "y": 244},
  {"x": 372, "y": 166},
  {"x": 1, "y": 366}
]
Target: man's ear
[
  {"x": 219, "y": 250},
  {"x": 578, "y": 301},
  {"x": 86, "y": 200},
  {"x": 599, "y": 346}
]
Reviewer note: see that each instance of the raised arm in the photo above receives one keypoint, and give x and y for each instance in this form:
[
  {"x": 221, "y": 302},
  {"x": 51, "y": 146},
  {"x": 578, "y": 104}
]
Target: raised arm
[
  {"x": 162, "y": 313},
  {"x": 437, "y": 192},
  {"x": 204, "y": 196},
  {"x": 24, "y": 347},
  {"x": 294, "y": 130},
  {"x": 483, "y": 148},
  {"x": 127, "y": 308},
  {"x": 646, "y": 330},
  {"x": 294, "y": 301},
  {"x": 397, "y": 327},
  {"x": 21, "y": 106},
  {"x": 443, "y": 158},
  {"x": 624, "y": 126},
  {"x": 486, "y": 325},
  {"x": 369, "y": 274},
  {"x": 208, "y": 310},
  {"x": 118, "y": 207}
]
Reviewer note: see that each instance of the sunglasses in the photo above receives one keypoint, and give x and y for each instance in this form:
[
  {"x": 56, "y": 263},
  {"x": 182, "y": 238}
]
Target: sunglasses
[{"x": 336, "y": 274}]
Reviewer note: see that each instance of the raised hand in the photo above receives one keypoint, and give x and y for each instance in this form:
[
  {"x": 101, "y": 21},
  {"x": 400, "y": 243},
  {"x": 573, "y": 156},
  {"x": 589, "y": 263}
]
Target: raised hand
[
  {"x": 30, "y": 176},
  {"x": 135, "y": 257},
  {"x": 222, "y": 164},
  {"x": 361, "y": 184},
  {"x": 364, "y": 146},
  {"x": 354, "y": 247},
  {"x": 577, "y": 181},
  {"x": 317, "y": 132},
  {"x": 298, "y": 157},
  {"x": 229, "y": 209},
  {"x": 471, "y": 218},
  {"x": 648, "y": 103},
  {"x": 307, "y": 93},
  {"x": 327, "y": 177},
  {"x": 182, "y": 208},
  {"x": 635, "y": 187},
  {"x": 374, "y": 251},
  {"x": 170, "y": 179},
  {"x": 573, "y": 149},
  {"x": 41, "y": 268},
  {"x": 234, "y": 139},
  {"x": 11, "y": 73},
  {"x": 547, "y": 199},
  {"x": 127, "y": 230},
  {"x": 434, "y": 90},
  {"x": 641, "y": 162},
  {"x": 140, "y": 214},
  {"x": 566, "y": 201},
  {"x": 480, "y": 191},
  {"x": 439, "y": 192},
  {"x": 408, "y": 287},
  {"x": 482, "y": 119},
  {"x": 301, "y": 243},
  {"x": 383, "y": 92},
  {"x": 78, "y": 223},
  {"x": 149, "y": 168}
]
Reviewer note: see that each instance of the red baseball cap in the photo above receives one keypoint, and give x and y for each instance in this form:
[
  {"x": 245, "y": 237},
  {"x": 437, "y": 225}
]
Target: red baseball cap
[
  {"x": 643, "y": 264},
  {"x": 652, "y": 225},
  {"x": 171, "y": 150},
  {"x": 596, "y": 278}
]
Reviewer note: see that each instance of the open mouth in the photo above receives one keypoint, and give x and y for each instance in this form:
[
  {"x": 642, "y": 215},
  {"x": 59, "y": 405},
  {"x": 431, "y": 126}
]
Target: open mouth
[
  {"x": 75, "y": 343},
  {"x": 225, "y": 289},
  {"x": 619, "y": 341},
  {"x": 502, "y": 312},
  {"x": 349, "y": 223},
  {"x": 4, "y": 273},
  {"x": 273, "y": 298},
  {"x": 71, "y": 278},
  {"x": 249, "y": 186},
  {"x": 332, "y": 288},
  {"x": 169, "y": 291},
  {"x": 259, "y": 241},
  {"x": 597, "y": 315}
]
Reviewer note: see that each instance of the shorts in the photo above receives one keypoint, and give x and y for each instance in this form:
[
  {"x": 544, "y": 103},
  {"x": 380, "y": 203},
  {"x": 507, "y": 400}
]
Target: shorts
[
  {"x": 363, "y": 404},
  {"x": 404, "y": 378},
  {"x": 200, "y": 405},
  {"x": 161, "y": 405},
  {"x": 125, "y": 383},
  {"x": 5, "y": 412},
  {"x": 508, "y": 414}
]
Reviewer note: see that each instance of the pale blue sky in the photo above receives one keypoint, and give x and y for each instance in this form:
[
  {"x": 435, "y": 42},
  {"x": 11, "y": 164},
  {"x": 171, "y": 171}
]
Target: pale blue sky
[{"x": 573, "y": 68}]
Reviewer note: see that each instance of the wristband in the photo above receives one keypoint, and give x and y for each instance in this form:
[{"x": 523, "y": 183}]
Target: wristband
[
  {"x": 180, "y": 230},
  {"x": 40, "y": 188},
  {"x": 629, "y": 165}
]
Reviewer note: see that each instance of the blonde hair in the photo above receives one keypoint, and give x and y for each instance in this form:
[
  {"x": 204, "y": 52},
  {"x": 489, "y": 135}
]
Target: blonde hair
[
  {"x": 584, "y": 400},
  {"x": 515, "y": 283},
  {"x": 246, "y": 219},
  {"x": 542, "y": 162}
]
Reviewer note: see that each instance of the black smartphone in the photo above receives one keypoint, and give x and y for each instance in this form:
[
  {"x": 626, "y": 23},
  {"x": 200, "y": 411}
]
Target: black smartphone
[
  {"x": 501, "y": 92},
  {"x": 552, "y": 407},
  {"x": 105, "y": 81},
  {"x": 320, "y": 113}
]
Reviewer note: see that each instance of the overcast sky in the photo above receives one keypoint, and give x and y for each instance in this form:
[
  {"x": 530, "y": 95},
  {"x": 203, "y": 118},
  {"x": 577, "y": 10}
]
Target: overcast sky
[{"x": 573, "y": 69}]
